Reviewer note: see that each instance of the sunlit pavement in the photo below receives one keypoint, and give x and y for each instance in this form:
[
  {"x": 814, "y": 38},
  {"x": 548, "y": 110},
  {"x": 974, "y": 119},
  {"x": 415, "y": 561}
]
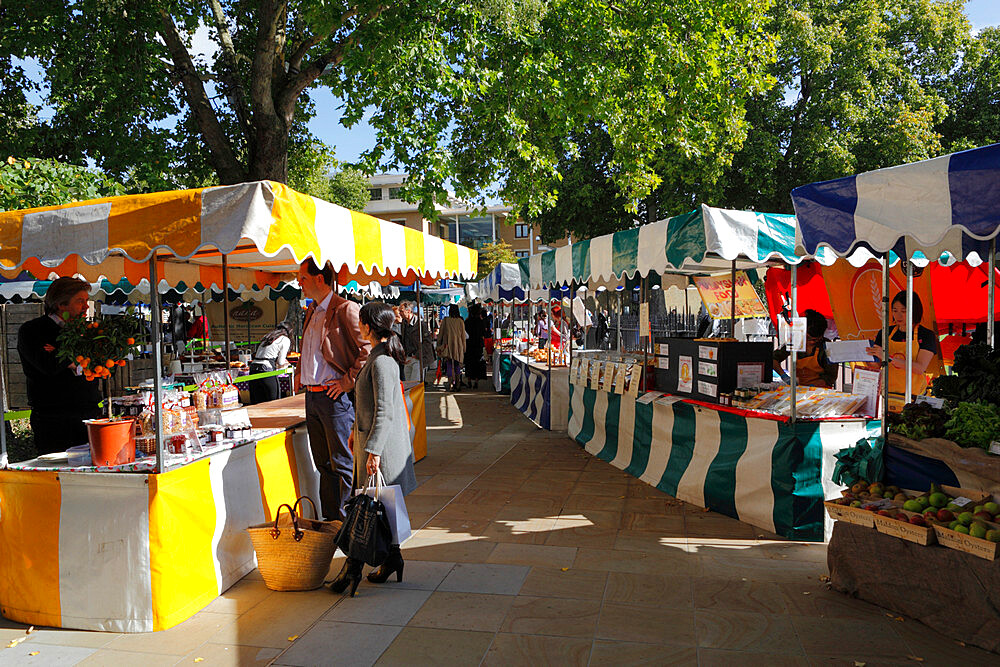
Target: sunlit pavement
[{"x": 531, "y": 551}]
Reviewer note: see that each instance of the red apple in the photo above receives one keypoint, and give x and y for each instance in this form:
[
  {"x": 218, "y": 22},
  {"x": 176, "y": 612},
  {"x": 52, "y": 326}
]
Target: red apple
[
  {"x": 901, "y": 517},
  {"x": 885, "y": 513},
  {"x": 918, "y": 520},
  {"x": 984, "y": 515},
  {"x": 945, "y": 516}
]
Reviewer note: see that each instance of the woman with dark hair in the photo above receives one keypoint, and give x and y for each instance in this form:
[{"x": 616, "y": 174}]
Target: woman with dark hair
[
  {"x": 475, "y": 346},
  {"x": 270, "y": 356},
  {"x": 925, "y": 347},
  {"x": 812, "y": 367},
  {"x": 381, "y": 437},
  {"x": 451, "y": 346}
]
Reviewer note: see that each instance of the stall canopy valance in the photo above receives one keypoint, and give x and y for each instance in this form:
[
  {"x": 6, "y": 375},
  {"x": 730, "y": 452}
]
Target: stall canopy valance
[
  {"x": 703, "y": 241},
  {"x": 946, "y": 205},
  {"x": 260, "y": 226},
  {"x": 502, "y": 284},
  {"x": 25, "y": 289}
]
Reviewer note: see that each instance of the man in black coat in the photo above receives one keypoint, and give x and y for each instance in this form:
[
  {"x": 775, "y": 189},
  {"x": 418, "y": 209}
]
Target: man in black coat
[{"x": 60, "y": 399}]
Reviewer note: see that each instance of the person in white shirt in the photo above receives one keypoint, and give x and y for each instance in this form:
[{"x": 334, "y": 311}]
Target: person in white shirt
[{"x": 271, "y": 355}]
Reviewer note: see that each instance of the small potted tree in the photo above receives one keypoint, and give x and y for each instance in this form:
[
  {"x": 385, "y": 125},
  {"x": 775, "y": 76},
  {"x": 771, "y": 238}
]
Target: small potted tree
[{"x": 97, "y": 348}]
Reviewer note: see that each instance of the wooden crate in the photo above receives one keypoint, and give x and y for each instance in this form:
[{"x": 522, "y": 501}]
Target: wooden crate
[
  {"x": 922, "y": 535},
  {"x": 967, "y": 543},
  {"x": 854, "y": 515}
]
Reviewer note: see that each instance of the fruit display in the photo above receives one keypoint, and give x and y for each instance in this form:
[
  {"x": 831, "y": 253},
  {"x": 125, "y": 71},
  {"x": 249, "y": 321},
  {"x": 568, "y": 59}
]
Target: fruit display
[{"x": 945, "y": 513}]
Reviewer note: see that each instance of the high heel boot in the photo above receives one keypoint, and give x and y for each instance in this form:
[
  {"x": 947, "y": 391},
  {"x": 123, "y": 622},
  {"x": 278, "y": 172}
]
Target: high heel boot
[
  {"x": 393, "y": 563},
  {"x": 350, "y": 575}
]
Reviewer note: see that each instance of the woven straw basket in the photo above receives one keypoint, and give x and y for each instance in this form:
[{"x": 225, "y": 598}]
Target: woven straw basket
[{"x": 294, "y": 553}]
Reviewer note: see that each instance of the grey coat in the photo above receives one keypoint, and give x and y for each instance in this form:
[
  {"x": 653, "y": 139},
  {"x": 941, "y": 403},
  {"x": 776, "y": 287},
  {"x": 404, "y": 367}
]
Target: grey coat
[{"x": 382, "y": 426}]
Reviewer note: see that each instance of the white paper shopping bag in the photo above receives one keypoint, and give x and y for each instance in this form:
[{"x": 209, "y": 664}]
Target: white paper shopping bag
[{"x": 391, "y": 496}]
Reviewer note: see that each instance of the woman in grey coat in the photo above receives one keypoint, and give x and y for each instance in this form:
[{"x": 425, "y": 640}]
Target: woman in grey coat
[{"x": 381, "y": 439}]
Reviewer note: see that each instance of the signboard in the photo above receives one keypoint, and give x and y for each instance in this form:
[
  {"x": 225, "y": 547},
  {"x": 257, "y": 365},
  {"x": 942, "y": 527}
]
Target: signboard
[
  {"x": 643, "y": 319},
  {"x": 685, "y": 374},
  {"x": 717, "y": 293}
]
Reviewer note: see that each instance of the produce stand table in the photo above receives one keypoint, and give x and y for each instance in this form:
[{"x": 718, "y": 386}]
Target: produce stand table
[
  {"x": 540, "y": 393},
  {"x": 138, "y": 552},
  {"x": 762, "y": 470},
  {"x": 502, "y": 369},
  {"x": 956, "y": 593}
]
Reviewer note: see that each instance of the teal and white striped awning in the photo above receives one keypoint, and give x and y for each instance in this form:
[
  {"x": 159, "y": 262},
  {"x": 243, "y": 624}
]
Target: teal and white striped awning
[{"x": 704, "y": 241}]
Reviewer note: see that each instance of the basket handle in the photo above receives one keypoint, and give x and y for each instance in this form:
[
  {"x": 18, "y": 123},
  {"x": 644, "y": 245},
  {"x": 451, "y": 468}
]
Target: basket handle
[
  {"x": 295, "y": 507},
  {"x": 296, "y": 531}
]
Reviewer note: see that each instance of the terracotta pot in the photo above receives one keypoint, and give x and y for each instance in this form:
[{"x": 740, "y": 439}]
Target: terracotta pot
[{"x": 112, "y": 442}]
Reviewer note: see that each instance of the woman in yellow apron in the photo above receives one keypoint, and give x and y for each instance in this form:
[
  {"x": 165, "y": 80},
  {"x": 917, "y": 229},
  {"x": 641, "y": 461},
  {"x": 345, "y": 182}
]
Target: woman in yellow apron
[
  {"x": 925, "y": 348},
  {"x": 812, "y": 368}
]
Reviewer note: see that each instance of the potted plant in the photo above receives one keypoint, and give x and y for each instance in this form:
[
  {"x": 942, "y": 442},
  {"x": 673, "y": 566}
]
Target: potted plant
[{"x": 97, "y": 348}]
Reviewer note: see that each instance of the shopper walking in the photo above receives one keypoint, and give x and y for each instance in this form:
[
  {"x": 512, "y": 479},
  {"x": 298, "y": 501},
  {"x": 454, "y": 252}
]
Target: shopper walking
[
  {"x": 451, "y": 346},
  {"x": 381, "y": 441},
  {"x": 333, "y": 352},
  {"x": 417, "y": 344}
]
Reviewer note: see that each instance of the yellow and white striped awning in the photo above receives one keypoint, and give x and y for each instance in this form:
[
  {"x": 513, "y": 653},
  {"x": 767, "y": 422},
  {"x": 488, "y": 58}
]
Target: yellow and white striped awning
[{"x": 261, "y": 226}]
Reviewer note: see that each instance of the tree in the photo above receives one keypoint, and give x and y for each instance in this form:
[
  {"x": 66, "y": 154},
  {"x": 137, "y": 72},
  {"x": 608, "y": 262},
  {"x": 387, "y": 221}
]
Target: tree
[
  {"x": 30, "y": 183},
  {"x": 475, "y": 94},
  {"x": 492, "y": 255},
  {"x": 349, "y": 188},
  {"x": 858, "y": 89},
  {"x": 973, "y": 95}
]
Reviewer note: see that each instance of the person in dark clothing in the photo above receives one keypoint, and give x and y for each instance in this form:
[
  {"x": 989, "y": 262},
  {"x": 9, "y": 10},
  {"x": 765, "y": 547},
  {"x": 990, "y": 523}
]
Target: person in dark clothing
[
  {"x": 601, "y": 330},
  {"x": 475, "y": 366},
  {"x": 60, "y": 399}
]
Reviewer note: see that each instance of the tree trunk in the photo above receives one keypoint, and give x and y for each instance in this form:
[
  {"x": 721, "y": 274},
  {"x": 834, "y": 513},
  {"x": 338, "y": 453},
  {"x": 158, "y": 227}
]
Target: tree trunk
[{"x": 268, "y": 160}]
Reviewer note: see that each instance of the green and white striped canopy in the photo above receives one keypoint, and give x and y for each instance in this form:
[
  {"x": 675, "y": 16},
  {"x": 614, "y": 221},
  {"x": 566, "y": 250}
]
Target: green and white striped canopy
[{"x": 703, "y": 241}]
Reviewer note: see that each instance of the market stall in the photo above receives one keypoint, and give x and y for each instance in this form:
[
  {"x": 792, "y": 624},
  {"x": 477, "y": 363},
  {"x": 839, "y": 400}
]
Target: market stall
[
  {"x": 143, "y": 545},
  {"x": 701, "y": 419},
  {"x": 502, "y": 287},
  {"x": 928, "y": 499}
]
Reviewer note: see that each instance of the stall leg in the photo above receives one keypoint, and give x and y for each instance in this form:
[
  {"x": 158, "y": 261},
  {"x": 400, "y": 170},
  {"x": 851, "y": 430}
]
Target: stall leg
[
  {"x": 420, "y": 334},
  {"x": 792, "y": 372},
  {"x": 154, "y": 299},
  {"x": 909, "y": 331},
  {"x": 991, "y": 296},
  {"x": 885, "y": 346},
  {"x": 225, "y": 302}
]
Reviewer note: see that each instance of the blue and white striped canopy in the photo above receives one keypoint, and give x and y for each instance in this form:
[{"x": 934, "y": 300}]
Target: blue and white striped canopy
[
  {"x": 502, "y": 284},
  {"x": 948, "y": 205}
]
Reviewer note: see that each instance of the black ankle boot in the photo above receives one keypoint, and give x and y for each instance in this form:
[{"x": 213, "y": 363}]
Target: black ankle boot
[
  {"x": 350, "y": 575},
  {"x": 393, "y": 563}
]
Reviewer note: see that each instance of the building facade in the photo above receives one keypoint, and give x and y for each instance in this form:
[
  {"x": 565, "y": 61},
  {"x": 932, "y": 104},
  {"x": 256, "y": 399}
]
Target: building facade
[{"x": 458, "y": 222}]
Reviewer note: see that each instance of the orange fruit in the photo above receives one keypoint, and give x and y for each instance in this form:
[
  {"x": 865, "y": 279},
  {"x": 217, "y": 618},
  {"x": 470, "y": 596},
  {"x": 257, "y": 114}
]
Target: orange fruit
[
  {"x": 109, "y": 363},
  {"x": 88, "y": 375},
  {"x": 121, "y": 362},
  {"x": 79, "y": 358},
  {"x": 130, "y": 341},
  {"x": 85, "y": 362}
]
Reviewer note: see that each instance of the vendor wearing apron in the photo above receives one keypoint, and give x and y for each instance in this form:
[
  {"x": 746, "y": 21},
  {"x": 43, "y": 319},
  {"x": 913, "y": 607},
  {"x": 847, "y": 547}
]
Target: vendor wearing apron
[
  {"x": 270, "y": 356},
  {"x": 812, "y": 368},
  {"x": 925, "y": 347}
]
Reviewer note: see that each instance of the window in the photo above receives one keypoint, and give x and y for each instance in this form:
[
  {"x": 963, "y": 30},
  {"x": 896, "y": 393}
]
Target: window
[
  {"x": 374, "y": 194},
  {"x": 522, "y": 253},
  {"x": 394, "y": 193},
  {"x": 522, "y": 231},
  {"x": 399, "y": 221},
  {"x": 471, "y": 232}
]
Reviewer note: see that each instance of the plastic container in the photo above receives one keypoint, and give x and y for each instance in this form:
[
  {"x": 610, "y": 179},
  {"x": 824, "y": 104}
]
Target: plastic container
[
  {"x": 78, "y": 456},
  {"x": 111, "y": 442}
]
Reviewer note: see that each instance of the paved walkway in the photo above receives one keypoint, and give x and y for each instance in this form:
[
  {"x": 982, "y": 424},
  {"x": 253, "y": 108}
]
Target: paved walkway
[{"x": 532, "y": 551}]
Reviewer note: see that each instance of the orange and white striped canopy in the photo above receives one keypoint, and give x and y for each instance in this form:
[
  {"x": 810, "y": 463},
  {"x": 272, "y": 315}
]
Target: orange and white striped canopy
[{"x": 262, "y": 227}]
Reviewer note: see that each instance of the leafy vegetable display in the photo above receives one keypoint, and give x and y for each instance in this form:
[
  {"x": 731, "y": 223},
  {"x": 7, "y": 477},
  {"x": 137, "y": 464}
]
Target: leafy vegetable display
[
  {"x": 918, "y": 421},
  {"x": 976, "y": 371},
  {"x": 974, "y": 425}
]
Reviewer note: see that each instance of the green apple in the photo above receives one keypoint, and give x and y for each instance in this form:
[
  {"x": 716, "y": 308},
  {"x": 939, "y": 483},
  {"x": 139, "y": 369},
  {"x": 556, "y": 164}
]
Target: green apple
[
  {"x": 992, "y": 507},
  {"x": 993, "y": 535},
  {"x": 965, "y": 518},
  {"x": 954, "y": 525},
  {"x": 978, "y": 529},
  {"x": 924, "y": 501},
  {"x": 962, "y": 529},
  {"x": 913, "y": 506},
  {"x": 938, "y": 499}
]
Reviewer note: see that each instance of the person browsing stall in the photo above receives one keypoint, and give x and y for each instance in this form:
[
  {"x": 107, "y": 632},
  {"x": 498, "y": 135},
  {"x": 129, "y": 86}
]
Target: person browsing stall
[
  {"x": 383, "y": 436},
  {"x": 59, "y": 398},
  {"x": 925, "y": 347},
  {"x": 333, "y": 352},
  {"x": 812, "y": 367},
  {"x": 270, "y": 355}
]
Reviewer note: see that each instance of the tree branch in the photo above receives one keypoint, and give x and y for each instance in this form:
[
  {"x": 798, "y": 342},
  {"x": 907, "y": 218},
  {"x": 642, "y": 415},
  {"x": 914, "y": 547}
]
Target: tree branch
[
  {"x": 234, "y": 86},
  {"x": 296, "y": 83},
  {"x": 261, "y": 99},
  {"x": 224, "y": 159},
  {"x": 295, "y": 62}
]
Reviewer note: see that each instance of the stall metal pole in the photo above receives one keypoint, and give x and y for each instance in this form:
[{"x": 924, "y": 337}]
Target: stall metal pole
[
  {"x": 792, "y": 371},
  {"x": 618, "y": 326},
  {"x": 732, "y": 300},
  {"x": 225, "y": 304},
  {"x": 909, "y": 330},
  {"x": 154, "y": 306},
  {"x": 548, "y": 324},
  {"x": 645, "y": 343},
  {"x": 420, "y": 335},
  {"x": 3, "y": 416},
  {"x": 885, "y": 345},
  {"x": 991, "y": 296}
]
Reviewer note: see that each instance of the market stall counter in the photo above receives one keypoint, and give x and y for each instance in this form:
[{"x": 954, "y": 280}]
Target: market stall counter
[
  {"x": 540, "y": 392},
  {"x": 129, "y": 550},
  {"x": 758, "y": 467}
]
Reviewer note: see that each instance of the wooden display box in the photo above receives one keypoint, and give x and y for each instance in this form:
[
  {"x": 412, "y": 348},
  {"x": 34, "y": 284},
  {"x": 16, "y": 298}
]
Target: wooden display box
[
  {"x": 923, "y": 535},
  {"x": 967, "y": 543},
  {"x": 849, "y": 514}
]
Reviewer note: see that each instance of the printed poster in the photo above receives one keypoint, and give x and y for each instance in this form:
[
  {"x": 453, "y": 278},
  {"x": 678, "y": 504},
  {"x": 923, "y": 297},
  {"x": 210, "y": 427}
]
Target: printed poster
[
  {"x": 717, "y": 292},
  {"x": 685, "y": 374}
]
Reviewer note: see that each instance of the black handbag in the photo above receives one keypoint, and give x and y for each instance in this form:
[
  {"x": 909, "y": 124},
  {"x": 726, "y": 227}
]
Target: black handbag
[{"x": 366, "y": 534}]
